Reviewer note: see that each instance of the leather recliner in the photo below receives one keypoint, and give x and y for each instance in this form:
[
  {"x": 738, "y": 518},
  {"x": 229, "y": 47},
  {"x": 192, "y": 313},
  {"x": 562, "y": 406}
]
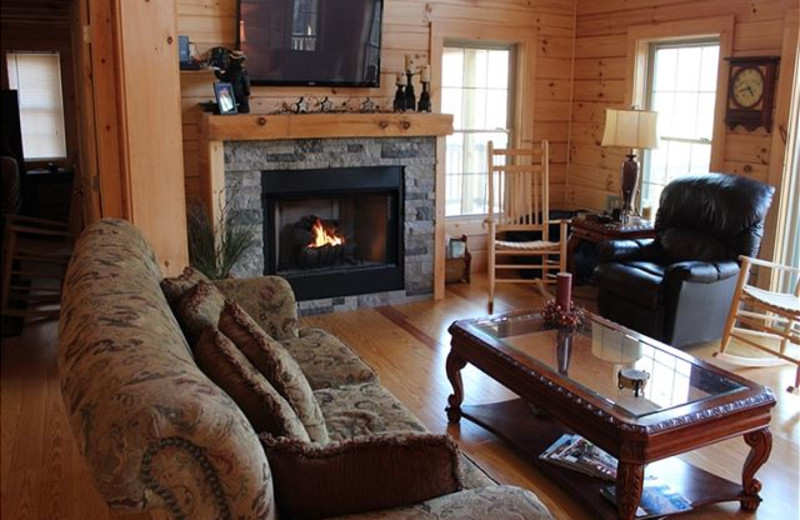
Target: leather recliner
[{"x": 678, "y": 287}]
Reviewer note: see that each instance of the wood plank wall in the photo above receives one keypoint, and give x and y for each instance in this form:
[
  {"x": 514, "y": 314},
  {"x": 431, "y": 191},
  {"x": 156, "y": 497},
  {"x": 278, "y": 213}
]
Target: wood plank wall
[
  {"x": 406, "y": 30},
  {"x": 600, "y": 74}
]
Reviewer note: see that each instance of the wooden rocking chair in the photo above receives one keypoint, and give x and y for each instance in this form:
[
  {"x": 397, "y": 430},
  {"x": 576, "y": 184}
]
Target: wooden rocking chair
[
  {"x": 766, "y": 313},
  {"x": 519, "y": 193}
]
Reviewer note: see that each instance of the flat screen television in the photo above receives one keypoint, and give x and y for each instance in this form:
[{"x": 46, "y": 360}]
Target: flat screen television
[{"x": 311, "y": 42}]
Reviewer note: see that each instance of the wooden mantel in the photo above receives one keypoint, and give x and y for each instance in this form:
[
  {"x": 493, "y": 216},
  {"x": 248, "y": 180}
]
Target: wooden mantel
[
  {"x": 216, "y": 130},
  {"x": 309, "y": 126}
]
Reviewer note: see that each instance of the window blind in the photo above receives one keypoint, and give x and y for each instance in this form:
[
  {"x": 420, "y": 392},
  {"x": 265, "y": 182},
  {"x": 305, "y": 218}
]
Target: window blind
[{"x": 37, "y": 78}]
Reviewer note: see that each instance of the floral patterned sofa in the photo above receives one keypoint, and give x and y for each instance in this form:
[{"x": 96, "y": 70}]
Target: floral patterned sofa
[{"x": 157, "y": 434}]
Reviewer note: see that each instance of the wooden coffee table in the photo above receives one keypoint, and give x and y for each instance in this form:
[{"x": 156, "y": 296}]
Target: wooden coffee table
[{"x": 569, "y": 383}]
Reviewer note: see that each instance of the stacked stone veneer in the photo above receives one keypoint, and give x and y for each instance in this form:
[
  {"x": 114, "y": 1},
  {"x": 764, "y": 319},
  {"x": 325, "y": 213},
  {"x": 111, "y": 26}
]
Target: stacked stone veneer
[{"x": 245, "y": 161}]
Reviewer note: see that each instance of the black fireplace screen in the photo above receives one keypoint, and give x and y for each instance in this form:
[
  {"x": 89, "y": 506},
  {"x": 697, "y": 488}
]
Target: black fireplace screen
[{"x": 335, "y": 232}]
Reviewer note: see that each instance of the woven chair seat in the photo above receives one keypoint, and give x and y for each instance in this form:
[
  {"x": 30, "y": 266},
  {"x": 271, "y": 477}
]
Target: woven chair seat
[
  {"x": 786, "y": 302},
  {"x": 531, "y": 245}
]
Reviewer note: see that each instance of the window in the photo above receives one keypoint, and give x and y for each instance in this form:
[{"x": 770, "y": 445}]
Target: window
[
  {"x": 476, "y": 89},
  {"x": 682, "y": 85},
  {"x": 37, "y": 78}
]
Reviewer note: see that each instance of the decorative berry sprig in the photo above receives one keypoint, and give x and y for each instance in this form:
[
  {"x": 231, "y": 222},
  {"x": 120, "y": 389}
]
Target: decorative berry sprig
[{"x": 556, "y": 317}]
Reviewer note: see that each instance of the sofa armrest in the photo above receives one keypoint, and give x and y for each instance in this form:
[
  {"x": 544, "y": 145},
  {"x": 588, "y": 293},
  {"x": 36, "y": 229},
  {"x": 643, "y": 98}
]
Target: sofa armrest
[
  {"x": 626, "y": 250},
  {"x": 153, "y": 430},
  {"x": 701, "y": 272},
  {"x": 269, "y": 300},
  {"x": 469, "y": 504}
]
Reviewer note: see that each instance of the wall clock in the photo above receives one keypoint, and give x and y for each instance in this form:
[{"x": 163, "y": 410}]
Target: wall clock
[{"x": 751, "y": 92}]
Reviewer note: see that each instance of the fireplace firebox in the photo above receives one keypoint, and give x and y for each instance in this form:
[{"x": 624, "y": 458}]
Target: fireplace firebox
[{"x": 336, "y": 231}]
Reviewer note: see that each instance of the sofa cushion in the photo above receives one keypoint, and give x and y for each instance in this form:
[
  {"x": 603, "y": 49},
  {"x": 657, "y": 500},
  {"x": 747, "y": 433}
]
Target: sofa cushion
[
  {"x": 276, "y": 364},
  {"x": 269, "y": 300},
  {"x": 495, "y": 502},
  {"x": 361, "y": 474},
  {"x": 326, "y": 361},
  {"x": 224, "y": 364},
  {"x": 175, "y": 287},
  {"x": 198, "y": 309},
  {"x": 363, "y": 409}
]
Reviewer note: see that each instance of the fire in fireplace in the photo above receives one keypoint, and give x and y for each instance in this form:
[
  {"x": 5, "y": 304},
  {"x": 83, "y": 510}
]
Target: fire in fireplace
[
  {"x": 317, "y": 244},
  {"x": 335, "y": 232}
]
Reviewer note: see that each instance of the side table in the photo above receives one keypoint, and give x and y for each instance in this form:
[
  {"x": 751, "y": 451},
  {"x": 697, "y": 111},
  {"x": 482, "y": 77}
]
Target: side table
[{"x": 597, "y": 231}]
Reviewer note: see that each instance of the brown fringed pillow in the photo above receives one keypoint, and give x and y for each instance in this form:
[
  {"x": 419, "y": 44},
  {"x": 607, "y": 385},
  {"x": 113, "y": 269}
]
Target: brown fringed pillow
[
  {"x": 198, "y": 309},
  {"x": 277, "y": 365},
  {"x": 224, "y": 364},
  {"x": 174, "y": 288},
  {"x": 360, "y": 474}
]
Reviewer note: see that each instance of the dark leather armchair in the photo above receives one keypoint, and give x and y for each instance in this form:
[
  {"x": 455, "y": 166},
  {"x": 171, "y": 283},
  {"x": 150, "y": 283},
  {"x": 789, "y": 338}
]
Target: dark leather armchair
[{"x": 678, "y": 287}]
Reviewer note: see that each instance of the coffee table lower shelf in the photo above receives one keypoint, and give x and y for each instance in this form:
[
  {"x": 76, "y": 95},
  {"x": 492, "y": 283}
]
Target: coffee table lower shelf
[{"x": 531, "y": 434}]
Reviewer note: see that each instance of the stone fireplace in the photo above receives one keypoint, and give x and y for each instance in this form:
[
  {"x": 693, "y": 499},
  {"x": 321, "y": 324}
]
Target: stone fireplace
[{"x": 373, "y": 197}]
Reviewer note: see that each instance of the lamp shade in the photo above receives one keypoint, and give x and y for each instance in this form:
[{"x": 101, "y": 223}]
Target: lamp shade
[{"x": 630, "y": 128}]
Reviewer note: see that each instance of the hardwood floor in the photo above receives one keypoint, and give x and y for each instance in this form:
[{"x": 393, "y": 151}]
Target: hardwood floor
[{"x": 43, "y": 476}]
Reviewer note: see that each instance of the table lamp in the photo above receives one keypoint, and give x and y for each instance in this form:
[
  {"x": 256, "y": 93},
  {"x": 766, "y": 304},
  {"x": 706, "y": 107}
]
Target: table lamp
[{"x": 633, "y": 129}]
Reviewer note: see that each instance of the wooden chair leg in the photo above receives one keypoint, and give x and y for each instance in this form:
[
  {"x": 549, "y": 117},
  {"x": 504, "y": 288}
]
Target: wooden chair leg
[
  {"x": 491, "y": 263},
  {"x": 744, "y": 273}
]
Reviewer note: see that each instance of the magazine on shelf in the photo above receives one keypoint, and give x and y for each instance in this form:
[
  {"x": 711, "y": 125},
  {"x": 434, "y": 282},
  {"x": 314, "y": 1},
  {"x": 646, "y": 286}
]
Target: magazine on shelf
[
  {"x": 658, "y": 499},
  {"x": 574, "y": 452}
]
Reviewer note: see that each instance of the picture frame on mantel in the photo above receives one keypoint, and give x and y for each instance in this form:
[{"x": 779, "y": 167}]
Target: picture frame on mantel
[{"x": 225, "y": 100}]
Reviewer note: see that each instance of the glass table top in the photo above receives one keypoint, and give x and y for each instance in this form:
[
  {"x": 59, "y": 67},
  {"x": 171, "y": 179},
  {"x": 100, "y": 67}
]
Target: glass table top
[{"x": 593, "y": 356}]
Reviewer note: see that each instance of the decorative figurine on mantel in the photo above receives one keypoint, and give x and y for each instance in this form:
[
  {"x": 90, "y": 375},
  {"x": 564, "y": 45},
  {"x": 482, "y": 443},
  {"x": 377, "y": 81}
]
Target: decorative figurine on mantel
[
  {"x": 411, "y": 97},
  {"x": 400, "y": 95},
  {"x": 425, "y": 96},
  {"x": 301, "y": 106},
  {"x": 228, "y": 66},
  {"x": 368, "y": 105}
]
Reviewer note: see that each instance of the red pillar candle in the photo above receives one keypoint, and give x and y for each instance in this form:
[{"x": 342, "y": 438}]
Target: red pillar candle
[{"x": 564, "y": 290}]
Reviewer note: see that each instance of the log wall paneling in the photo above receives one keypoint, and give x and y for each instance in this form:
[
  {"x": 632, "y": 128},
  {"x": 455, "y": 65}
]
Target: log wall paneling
[
  {"x": 151, "y": 115},
  {"x": 407, "y": 29},
  {"x": 767, "y": 27}
]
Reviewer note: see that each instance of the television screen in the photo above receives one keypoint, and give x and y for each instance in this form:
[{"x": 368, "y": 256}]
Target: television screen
[{"x": 311, "y": 42}]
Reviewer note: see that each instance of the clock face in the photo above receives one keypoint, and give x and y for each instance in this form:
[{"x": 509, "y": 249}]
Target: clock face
[{"x": 748, "y": 87}]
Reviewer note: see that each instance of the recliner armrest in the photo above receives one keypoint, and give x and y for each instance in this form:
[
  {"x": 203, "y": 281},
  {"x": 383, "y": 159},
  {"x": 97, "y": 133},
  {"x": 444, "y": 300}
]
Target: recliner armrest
[
  {"x": 702, "y": 272},
  {"x": 626, "y": 250}
]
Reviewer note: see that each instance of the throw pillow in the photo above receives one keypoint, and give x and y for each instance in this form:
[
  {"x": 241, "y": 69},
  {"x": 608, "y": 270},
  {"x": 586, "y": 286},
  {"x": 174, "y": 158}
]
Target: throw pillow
[
  {"x": 199, "y": 308},
  {"x": 276, "y": 364},
  {"x": 174, "y": 288},
  {"x": 266, "y": 410},
  {"x": 360, "y": 474}
]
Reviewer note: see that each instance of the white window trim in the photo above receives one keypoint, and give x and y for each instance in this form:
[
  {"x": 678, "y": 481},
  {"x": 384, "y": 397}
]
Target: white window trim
[
  {"x": 638, "y": 50},
  {"x": 524, "y": 41}
]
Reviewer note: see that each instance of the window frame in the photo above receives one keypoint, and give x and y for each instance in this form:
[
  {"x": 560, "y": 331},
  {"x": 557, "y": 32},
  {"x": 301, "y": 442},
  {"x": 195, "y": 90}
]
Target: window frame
[
  {"x": 59, "y": 109},
  {"x": 524, "y": 42},
  {"x": 653, "y": 47},
  {"x": 509, "y": 130},
  {"x": 639, "y": 39}
]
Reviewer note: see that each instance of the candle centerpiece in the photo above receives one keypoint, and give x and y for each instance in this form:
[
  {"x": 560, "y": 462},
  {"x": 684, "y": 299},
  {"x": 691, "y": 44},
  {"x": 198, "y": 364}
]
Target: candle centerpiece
[{"x": 562, "y": 313}]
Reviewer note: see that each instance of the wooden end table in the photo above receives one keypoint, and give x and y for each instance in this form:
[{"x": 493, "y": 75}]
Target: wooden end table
[
  {"x": 595, "y": 231},
  {"x": 568, "y": 383}
]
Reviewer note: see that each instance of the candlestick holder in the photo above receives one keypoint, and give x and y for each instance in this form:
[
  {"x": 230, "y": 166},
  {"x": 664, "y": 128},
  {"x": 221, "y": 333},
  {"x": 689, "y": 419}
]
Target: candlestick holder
[
  {"x": 424, "y": 98},
  {"x": 400, "y": 99},
  {"x": 411, "y": 97}
]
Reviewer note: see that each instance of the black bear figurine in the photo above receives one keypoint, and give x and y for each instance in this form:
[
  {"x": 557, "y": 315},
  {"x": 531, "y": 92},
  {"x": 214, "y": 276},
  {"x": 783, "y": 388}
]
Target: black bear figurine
[{"x": 229, "y": 66}]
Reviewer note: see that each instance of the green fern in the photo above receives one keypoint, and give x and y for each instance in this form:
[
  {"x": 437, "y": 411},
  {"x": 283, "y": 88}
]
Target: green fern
[{"x": 215, "y": 258}]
